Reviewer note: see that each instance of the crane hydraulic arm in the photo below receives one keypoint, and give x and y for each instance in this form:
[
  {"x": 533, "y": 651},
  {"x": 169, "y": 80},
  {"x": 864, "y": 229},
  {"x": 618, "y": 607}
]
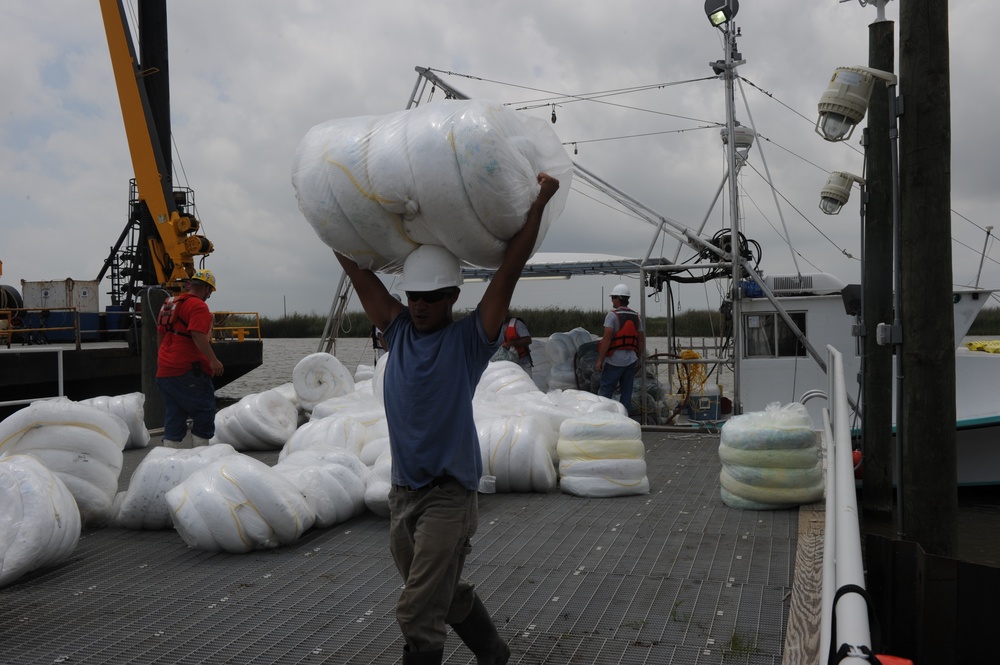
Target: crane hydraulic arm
[{"x": 176, "y": 242}]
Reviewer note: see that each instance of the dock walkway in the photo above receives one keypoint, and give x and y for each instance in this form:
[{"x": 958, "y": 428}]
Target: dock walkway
[{"x": 674, "y": 576}]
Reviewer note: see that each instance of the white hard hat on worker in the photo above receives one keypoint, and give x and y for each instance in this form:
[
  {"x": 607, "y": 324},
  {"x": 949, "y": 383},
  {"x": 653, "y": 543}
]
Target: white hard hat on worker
[
  {"x": 429, "y": 268},
  {"x": 621, "y": 291}
]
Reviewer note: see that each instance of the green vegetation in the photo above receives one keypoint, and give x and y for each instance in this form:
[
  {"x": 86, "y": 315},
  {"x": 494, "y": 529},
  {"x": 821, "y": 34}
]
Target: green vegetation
[
  {"x": 739, "y": 645},
  {"x": 987, "y": 323},
  {"x": 541, "y": 323},
  {"x": 544, "y": 322}
]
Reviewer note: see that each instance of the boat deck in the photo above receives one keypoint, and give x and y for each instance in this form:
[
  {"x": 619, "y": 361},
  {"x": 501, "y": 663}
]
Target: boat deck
[{"x": 674, "y": 576}]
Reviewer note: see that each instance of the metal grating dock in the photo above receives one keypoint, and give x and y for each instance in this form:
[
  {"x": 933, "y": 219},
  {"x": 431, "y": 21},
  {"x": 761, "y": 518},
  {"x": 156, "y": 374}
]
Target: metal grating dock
[{"x": 674, "y": 576}]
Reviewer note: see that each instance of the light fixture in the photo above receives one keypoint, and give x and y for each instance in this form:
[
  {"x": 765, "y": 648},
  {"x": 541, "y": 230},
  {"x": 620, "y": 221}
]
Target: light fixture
[
  {"x": 720, "y": 12},
  {"x": 845, "y": 101},
  {"x": 837, "y": 191}
]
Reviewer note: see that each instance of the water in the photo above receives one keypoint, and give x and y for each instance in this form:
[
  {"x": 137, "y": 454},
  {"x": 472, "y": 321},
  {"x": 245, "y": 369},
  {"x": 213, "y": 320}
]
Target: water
[{"x": 282, "y": 354}]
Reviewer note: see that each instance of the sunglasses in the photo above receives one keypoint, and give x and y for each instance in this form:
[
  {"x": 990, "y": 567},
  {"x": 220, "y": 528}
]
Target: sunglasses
[{"x": 430, "y": 297}]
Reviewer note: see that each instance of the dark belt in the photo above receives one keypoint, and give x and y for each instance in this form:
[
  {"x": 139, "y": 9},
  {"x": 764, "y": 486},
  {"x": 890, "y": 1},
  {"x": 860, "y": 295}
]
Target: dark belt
[{"x": 440, "y": 480}]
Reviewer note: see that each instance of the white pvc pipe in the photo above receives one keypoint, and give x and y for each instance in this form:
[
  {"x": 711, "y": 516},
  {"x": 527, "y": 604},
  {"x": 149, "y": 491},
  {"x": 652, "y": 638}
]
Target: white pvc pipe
[{"x": 843, "y": 545}]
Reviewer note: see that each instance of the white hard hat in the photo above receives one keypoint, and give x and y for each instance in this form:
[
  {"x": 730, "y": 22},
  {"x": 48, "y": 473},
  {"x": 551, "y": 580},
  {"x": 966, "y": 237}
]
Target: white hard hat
[
  {"x": 429, "y": 268},
  {"x": 621, "y": 291}
]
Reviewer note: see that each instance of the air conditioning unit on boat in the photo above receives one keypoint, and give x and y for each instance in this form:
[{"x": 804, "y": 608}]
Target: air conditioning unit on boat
[{"x": 816, "y": 284}]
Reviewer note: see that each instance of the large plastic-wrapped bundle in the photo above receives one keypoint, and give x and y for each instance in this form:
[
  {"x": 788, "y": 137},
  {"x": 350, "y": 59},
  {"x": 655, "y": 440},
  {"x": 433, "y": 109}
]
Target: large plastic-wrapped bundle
[
  {"x": 259, "y": 421},
  {"x": 350, "y": 432},
  {"x": 130, "y": 408},
  {"x": 600, "y": 455},
  {"x": 350, "y": 404},
  {"x": 503, "y": 379},
  {"x": 81, "y": 444},
  {"x": 458, "y": 174},
  {"x": 379, "y": 484},
  {"x": 561, "y": 349},
  {"x": 515, "y": 451},
  {"x": 39, "y": 521},
  {"x": 319, "y": 377},
  {"x": 334, "y": 491},
  {"x": 237, "y": 504},
  {"x": 770, "y": 459},
  {"x": 143, "y": 505}
]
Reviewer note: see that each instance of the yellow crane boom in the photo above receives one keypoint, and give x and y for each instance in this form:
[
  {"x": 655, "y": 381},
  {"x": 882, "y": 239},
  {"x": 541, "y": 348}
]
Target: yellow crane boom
[{"x": 177, "y": 244}]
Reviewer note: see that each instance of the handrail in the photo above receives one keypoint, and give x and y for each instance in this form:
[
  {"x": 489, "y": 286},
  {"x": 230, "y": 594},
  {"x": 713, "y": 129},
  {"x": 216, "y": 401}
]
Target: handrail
[
  {"x": 15, "y": 317},
  {"x": 235, "y": 325},
  {"x": 843, "y": 565}
]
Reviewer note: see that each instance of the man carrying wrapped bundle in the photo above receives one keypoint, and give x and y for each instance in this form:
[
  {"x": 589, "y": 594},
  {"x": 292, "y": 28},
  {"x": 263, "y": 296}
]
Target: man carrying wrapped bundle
[{"x": 431, "y": 374}]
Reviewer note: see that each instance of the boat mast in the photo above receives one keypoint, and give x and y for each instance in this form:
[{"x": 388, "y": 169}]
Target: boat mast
[{"x": 728, "y": 67}]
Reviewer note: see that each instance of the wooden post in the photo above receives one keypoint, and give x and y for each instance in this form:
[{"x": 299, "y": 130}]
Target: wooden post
[
  {"x": 930, "y": 494},
  {"x": 152, "y": 300},
  {"x": 877, "y": 494}
]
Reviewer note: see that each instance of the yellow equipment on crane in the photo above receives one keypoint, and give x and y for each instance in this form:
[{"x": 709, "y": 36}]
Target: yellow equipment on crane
[{"x": 176, "y": 244}]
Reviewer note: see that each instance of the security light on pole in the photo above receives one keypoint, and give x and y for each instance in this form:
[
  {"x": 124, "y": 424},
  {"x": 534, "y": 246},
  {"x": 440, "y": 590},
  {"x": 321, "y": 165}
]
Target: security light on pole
[
  {"x": 837, "y": 191},
  {"x": 845, "y": 101}
]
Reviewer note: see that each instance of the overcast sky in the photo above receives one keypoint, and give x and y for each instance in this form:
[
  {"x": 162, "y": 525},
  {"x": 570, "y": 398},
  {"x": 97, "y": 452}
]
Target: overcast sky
[{"x": 249, "y": 78}]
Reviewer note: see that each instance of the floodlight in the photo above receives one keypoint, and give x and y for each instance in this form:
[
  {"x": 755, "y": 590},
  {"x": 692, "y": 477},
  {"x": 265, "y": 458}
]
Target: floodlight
[
  {"x": 837, "y": 191},
  {"x": 845, "y": 101},
  {"x": 720, "y": 12}
]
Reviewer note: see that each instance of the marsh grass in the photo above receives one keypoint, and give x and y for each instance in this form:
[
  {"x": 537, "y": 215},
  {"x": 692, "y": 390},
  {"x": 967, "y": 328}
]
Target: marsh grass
[
  {"x": 540, "y": 322},
  {"x": 544, "y": 322}
]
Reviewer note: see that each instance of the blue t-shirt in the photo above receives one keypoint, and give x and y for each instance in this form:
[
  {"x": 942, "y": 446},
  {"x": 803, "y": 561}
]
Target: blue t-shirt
[{"x": 429, "y": 382}]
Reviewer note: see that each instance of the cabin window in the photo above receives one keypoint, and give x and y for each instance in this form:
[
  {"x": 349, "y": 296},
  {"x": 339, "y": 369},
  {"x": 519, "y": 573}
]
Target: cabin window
[{"x": 768, "y": 336}]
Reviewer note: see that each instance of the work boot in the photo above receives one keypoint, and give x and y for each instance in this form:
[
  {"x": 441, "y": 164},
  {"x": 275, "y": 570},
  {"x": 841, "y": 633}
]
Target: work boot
[
  {"x": 199, "y": 441},
  {"x": 481, "y": 636},
  {"x": 167, "y": 443},
  {"x": 422, "y": 657}
]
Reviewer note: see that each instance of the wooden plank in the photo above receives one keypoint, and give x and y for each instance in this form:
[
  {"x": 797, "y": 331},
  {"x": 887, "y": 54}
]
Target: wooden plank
[{"x": 802, "y": 634}]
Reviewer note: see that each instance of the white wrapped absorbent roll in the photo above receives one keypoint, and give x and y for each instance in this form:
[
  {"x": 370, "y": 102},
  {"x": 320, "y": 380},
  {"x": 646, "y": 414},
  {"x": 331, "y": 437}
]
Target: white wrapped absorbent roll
[
  {"x": 238, "y": 504},
  {"x": 770, "y": 459},
  {"x": 39, "y": 522},
  {"x": 79, "y": 443},
  {"x": 601, "y": 454},
  {"x": 144, "y": 505},
  {"x": 319, "y": 377},
  {"x": 458, "y": 174}
]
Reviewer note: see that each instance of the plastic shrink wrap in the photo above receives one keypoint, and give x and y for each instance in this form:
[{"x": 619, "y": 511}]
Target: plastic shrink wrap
[
  {"x": 770, "y": 459},
  {"x": 39, "y": 521},
  {"x": 458, "y": 174}
]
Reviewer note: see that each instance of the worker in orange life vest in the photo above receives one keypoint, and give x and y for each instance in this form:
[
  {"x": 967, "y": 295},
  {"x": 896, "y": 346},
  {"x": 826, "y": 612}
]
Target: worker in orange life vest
[
  {"x": 618, "y": 353},
  {"x": 517, "y": 337}
]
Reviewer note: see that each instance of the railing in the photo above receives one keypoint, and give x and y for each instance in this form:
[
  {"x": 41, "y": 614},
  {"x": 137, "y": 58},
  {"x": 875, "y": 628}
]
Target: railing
[
  {"x": 240, "y": 326},
  {"x": 843, "y": 567},
  {"x": 59, "y": 372},
  {"x": 682, "y": 371},
  {"x": 31, "y": 325}
]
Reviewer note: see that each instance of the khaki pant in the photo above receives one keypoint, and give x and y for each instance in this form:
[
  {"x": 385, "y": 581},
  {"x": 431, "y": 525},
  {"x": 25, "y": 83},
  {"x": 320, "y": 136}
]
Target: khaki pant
[{"x": 429, "y": 538}]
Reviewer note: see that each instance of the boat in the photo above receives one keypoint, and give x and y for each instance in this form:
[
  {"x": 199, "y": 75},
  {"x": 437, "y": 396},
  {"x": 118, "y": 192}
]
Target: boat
[
  {"x": 770, "y": 360},
  {"x": 55, "y": 338},
  {"x": 51, "y": 349},
  {"x": 776, "y": 366}
]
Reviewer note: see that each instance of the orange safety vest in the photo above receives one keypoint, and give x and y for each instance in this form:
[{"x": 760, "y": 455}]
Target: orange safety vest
[
  {"x": 510, "y": 334},
  {"x": 627, "y": 337},
  {"x": 168, "y": 315}
]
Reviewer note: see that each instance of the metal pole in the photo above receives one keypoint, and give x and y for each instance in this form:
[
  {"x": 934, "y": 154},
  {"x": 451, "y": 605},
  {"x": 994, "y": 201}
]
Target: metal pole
[
  {"x": 982, "y": 256},
  {"x": 734, "y": 213},
  {"x": 897, "y": 302}
]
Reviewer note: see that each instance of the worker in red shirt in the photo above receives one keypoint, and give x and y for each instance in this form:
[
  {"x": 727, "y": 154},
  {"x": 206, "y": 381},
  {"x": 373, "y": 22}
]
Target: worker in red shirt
[{"x": 186, "y": 363}]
